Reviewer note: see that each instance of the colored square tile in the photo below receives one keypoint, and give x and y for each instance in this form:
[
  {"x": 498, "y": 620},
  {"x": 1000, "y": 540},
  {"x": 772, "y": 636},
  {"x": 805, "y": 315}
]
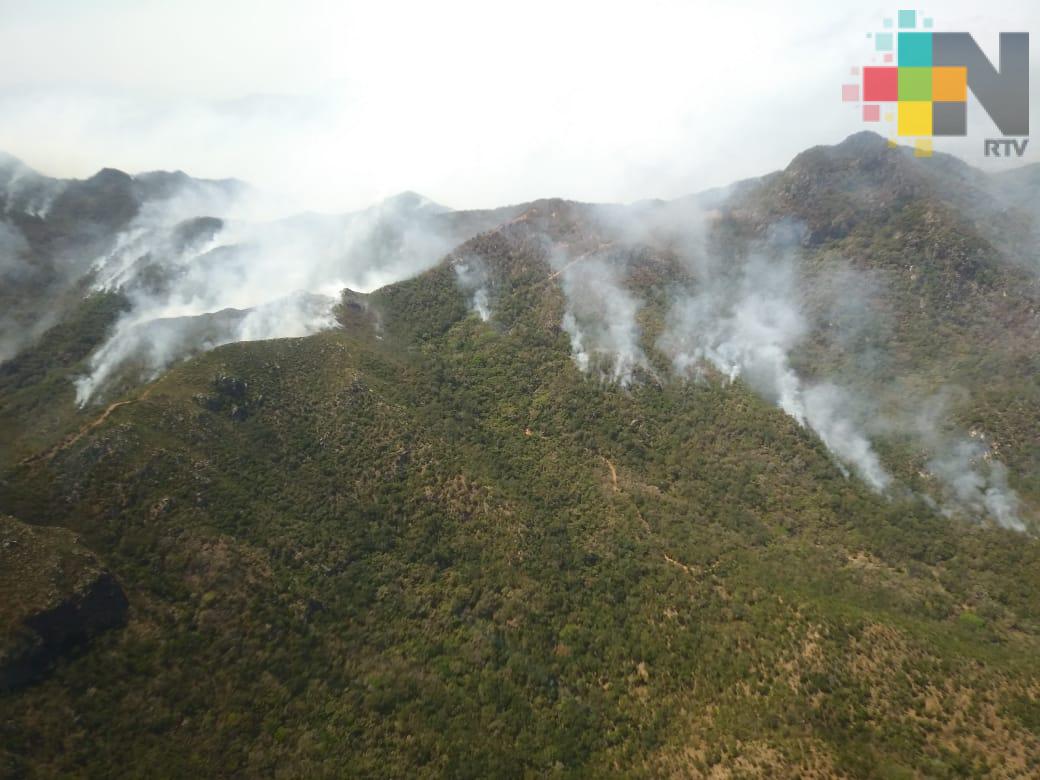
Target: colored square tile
[
  {"x": 854, "y": 70},
  {"x": 950, "y": 118},
  {"x": 893, "y": 143},
  {"x": 883, "y": 42},
  {"x": 928, "y": 22},
  {"x": 915, "y": 117},
  {"x": 888, "y": 57},
  {"x": 889, "y": 116},
  {"x": 888, "y": 23},
  {"x": 907, "y": 20},
  {"x": 850, "y": 93},
  {"x": 880, "y": 85},
  {"x": 922, "y": 147},
  {"x": 915, "y": 83},
  {"x": 915, "y": 50},
  {"x": 950, "y": 84},
  {"x": 871, "y": 113}
]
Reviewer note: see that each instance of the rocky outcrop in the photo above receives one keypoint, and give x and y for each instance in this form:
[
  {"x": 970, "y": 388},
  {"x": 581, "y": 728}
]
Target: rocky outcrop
[{"x": 54, "y": 596}]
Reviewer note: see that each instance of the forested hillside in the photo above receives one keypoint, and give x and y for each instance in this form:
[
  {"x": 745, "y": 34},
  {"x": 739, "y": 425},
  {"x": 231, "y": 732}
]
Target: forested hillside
[{"x": 739, "y": 485}]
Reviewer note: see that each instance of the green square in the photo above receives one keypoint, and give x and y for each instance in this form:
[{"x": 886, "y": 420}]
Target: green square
[{"x": 915, "y": 83}]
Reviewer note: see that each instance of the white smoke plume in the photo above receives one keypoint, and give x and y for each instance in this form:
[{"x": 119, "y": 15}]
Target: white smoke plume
[
  {"x": 973, "y": 483},
  {"x": 746, "y": 326},
  {"x": 976, "y": 484},
  {"x": 600, "y": 318},
  {"x": 833, "y": 413},
  {"x": 148, "y": 343},
  {"x": 749, "y": 328},
  {"x": 472, "y": 276}
]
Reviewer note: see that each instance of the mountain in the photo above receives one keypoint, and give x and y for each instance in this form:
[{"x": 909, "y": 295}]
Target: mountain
[
  {"x": 741, "y": 484},
  {"x": 53, "y": 231}
]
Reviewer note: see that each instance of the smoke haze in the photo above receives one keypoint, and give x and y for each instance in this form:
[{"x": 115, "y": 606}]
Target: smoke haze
[
  {"x": 198, "y": 283},
  {"x": 324, "y": 101}
]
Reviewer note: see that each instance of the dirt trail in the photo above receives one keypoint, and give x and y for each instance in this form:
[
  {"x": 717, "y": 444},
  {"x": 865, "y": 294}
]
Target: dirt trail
[
  {"x": 95, "y": 423},
  {"x": 617, "y": 489},
  {"x": 674, "y": 562},
  {"x": 613, "y": 474},
  {"x": 694, "y": 571},
  {"x": 603, "y": 245}
]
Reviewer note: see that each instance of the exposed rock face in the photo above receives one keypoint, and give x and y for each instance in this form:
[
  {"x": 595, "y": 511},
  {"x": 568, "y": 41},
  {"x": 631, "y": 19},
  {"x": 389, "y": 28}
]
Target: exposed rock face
[{"x": 54, "y": 595}]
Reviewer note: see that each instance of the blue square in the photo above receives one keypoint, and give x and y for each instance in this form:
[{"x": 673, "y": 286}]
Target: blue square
[
  {"x": 915, "y": 50},
  {"x": 907, "y": 20},
  {"x": 883, "y": 42},
  {"x": 928, "y": 22}
]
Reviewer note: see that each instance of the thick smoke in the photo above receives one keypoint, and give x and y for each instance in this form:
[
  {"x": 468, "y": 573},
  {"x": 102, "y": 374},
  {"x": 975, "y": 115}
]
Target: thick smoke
[
  {"x": 747, "y": 326},
  {"x": 834, "y": 413},
  {"x": 600, "y": 318},
  {"x": 194, "y": 284}
]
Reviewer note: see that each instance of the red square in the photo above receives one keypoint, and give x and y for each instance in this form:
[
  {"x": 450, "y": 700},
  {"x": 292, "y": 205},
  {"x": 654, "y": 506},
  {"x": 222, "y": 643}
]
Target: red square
[
  {"x": 850, "y": 93},
  {"x": 871, "y": 113},
  {"x": 881, "y": 84}
]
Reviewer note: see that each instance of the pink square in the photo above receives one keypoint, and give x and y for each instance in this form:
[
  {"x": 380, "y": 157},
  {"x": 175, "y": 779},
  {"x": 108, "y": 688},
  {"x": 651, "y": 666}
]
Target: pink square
[
  {"x": 854, "y": 70},
  {"x": 871, "y": 113},
  {"x": 850, "y": 93},
  {"x": 888, "y": 58}
]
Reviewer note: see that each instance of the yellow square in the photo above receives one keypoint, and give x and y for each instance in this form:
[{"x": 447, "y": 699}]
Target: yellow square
[
  {"x": 893, "y": 143},
  {"x": 922, "y": 147},
  {"x": 889, "y": 116},
  {"x": 915, "y": 117},
  {"x": 950, "y": 84}
]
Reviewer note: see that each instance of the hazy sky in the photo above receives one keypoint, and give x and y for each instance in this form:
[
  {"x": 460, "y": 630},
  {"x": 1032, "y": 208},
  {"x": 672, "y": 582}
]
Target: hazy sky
[{"x": 471, "y": 103}]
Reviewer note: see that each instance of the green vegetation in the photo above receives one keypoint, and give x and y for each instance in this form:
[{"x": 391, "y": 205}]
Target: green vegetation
[{"x": 425, "y": 545}]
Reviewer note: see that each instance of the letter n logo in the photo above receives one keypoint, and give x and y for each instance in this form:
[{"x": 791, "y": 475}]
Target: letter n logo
[{"x": 1004, "y": 93}]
